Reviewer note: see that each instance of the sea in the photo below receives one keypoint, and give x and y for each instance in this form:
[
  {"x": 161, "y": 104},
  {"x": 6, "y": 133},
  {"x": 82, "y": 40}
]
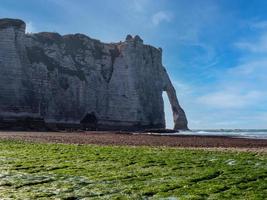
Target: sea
[{"x": 237, "y": 133}]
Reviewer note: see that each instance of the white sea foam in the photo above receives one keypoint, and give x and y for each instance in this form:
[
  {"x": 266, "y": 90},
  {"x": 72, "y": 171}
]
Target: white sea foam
[
  {"x": 253, "y": 134},
  {"x": 239, "y": 133}
]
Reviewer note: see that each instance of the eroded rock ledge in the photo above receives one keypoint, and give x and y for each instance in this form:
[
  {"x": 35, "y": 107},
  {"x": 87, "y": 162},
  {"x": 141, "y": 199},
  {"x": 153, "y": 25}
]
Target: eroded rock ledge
[{"x": 79, "y": 82}]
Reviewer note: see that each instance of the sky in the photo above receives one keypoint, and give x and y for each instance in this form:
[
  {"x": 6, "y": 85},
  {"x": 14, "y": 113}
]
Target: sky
[{"x": 214, "y": 50}]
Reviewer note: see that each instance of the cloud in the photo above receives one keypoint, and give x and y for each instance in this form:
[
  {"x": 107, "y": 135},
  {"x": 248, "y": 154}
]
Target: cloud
[
  {"x": 235, "y": 95},
  {"x": 140, "y": 5},
  {"x": 30, "y": 28},
  {"x": 254, "y": 71},
  {"x": 257, "y": 46},
  {"x": 182, "y": 88},
  {"x": 259, "y": 25},
  {"x": 161, "y": 16},
  {"x": 242, "y": 86},
  {"x": 225, "y": 99},
  {"x": 253, "y": 65}
]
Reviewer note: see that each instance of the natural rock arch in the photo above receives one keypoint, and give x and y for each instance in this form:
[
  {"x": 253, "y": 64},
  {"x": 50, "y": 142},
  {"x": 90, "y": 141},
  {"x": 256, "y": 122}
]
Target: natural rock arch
[{"x": 179, "y": 117}]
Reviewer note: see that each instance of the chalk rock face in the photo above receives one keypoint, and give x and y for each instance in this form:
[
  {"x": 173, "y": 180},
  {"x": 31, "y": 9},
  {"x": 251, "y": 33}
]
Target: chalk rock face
[{"x": 73, "y": 80}]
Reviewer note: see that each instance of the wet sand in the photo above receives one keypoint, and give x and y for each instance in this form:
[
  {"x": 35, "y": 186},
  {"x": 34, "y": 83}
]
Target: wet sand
[{"x": 123, "y": 138}]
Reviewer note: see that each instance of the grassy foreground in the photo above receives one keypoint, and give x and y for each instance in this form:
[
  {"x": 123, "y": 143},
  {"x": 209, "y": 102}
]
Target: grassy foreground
[{"x": 60, "y": 171}]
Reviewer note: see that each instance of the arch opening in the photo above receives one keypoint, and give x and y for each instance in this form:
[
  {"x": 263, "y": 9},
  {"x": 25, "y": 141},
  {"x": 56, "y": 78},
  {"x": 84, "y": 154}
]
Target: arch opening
[{"x": 167, "y": 111}]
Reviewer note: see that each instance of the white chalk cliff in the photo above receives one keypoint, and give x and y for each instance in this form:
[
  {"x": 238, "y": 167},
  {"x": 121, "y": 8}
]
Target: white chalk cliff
[{"x": 73, "y": 80}]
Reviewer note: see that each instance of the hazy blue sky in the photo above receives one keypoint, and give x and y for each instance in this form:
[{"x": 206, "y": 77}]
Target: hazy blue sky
[{"x": 214, "y": 50}]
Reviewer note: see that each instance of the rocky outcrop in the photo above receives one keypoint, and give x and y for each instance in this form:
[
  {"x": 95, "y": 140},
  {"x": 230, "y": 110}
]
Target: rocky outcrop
[{"x": 77, "y": 81}]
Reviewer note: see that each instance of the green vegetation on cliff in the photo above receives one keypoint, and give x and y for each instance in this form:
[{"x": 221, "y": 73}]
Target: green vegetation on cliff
[{"x": 60, "y": 171}]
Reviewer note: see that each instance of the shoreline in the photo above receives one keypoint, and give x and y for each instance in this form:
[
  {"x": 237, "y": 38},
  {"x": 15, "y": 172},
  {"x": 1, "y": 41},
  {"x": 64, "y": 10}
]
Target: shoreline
[
  {"x": 204, "y": 135},
  {"x": 140, "y": 139}
]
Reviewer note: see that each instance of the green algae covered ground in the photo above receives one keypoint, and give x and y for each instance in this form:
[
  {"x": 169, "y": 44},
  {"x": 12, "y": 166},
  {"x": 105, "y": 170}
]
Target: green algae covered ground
[{"x": 61, "y": 171}]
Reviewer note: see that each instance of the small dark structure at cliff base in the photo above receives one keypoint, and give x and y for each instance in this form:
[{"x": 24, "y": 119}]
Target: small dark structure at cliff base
[
  {"x": 89, "y": 121},
  {"x": 73, "y": 81}
]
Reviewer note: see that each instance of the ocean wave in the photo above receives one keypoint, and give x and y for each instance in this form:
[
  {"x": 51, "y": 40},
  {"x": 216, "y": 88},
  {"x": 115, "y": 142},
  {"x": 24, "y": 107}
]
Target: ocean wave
[{"x": 254, "y": 134}]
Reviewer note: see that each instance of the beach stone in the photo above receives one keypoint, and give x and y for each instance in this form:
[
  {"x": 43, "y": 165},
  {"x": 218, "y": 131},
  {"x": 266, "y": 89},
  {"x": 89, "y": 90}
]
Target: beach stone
[{"x": 69, "y": 79}]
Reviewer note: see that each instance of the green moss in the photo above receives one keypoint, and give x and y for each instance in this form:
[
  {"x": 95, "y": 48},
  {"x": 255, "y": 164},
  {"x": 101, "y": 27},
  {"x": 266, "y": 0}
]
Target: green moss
[{"x": 59, "y": 171}]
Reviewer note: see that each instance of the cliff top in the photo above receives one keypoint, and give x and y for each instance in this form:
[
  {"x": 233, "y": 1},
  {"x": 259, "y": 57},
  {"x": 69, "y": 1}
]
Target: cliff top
[
  {"x": 51, "y": 36},
  {"x": 7, "y": 22}
]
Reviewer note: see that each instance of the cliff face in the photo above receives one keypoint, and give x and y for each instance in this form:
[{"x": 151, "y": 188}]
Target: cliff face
[{"x": 73, "y": 80}]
